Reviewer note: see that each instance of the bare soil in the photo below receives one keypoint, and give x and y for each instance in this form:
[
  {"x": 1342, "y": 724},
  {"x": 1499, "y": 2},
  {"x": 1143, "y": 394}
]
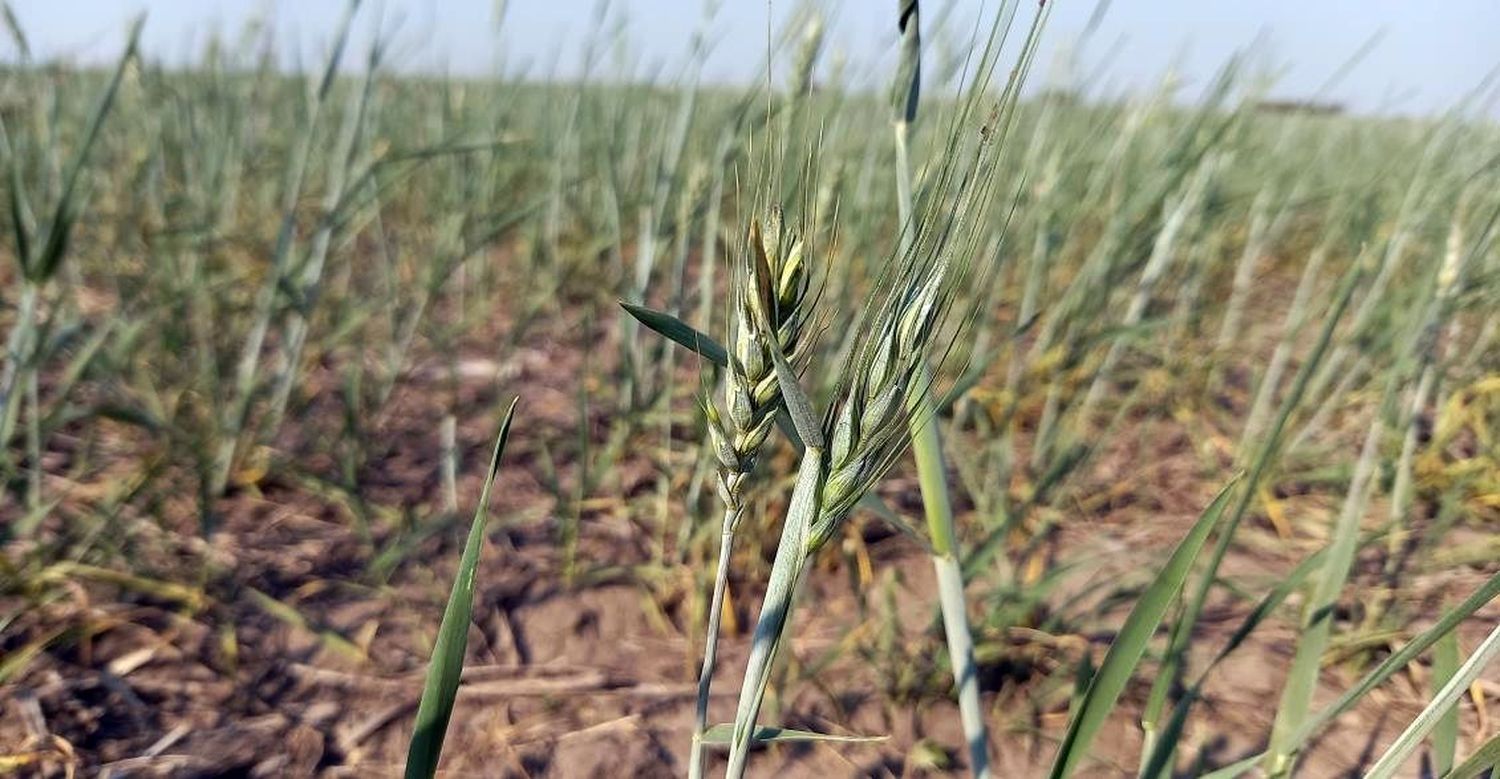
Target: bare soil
[{"x": 285, "y": 652}]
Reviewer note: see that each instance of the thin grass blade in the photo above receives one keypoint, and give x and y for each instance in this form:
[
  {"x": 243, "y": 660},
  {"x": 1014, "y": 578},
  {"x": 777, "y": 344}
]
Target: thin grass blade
[
  {"x": 1483, "y": 759},
  {"x": 17, "y": 33},
  {"x": 1380, "y": 673},
  {"x": 1130, "y": 645},
  {"x": 55, "y": 246},
  {"x": 1445, "y": 658},
  {"x": 722, "y": 733},
  {"x": 441, "y": 688},
  {"x": 1441, "y": 704}
]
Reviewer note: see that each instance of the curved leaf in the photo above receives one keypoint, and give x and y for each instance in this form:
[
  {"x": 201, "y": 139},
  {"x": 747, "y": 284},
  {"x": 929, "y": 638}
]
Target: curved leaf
[{"x": 1130, "y": 645}]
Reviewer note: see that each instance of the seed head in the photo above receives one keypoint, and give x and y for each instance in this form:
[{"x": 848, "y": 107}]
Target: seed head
[
  {"x": 771, "y": 285},
  {"x": 866, "y": 427}
]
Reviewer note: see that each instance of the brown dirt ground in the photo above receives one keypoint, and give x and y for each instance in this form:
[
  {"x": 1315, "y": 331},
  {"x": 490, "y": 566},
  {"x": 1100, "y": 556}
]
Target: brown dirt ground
[{"x": 596, "y": 678}]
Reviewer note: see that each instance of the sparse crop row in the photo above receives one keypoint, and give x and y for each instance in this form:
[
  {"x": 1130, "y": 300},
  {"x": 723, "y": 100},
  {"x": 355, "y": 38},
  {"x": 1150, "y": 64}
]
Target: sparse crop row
[{"x": 227, "y": 276}]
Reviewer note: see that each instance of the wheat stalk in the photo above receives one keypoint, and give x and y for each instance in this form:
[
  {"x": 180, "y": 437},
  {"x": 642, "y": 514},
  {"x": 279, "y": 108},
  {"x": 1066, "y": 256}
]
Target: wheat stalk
[
  {"x": 771, "y": 284},
  {"x": 858, "y": 440}
]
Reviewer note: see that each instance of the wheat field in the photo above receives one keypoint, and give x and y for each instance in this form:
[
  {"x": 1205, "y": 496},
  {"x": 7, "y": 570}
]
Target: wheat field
[{"x": 953, "y": 425}]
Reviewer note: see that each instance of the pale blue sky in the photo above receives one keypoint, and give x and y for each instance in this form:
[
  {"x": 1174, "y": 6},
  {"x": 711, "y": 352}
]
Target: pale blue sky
[{"x": 1429, "y": 53}]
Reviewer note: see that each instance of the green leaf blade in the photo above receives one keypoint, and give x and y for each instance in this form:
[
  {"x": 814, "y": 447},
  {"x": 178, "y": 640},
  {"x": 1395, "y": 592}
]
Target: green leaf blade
[
  {"x": 1130, "y": 645},
  {"x": 1483, "y": 759},
  {"x": 441, "y": 688},
  {"x": 723, "y": 733},
  {"x": 680, "y": 332}
]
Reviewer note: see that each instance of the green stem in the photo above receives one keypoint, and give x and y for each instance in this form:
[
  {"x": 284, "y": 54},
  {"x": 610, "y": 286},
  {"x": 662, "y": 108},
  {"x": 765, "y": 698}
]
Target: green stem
[
  {"x": 932, "y": 478},
  {"x": 776, "y": 608},
  {"x": 927, "y": 447},
  {"x": 696, "y": 757},
  {"x": 18, "y": 355}
]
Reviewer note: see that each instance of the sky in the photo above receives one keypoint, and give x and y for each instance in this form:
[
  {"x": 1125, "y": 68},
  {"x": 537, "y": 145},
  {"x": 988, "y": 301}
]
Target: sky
[{"x": 1418, "y": 57}]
